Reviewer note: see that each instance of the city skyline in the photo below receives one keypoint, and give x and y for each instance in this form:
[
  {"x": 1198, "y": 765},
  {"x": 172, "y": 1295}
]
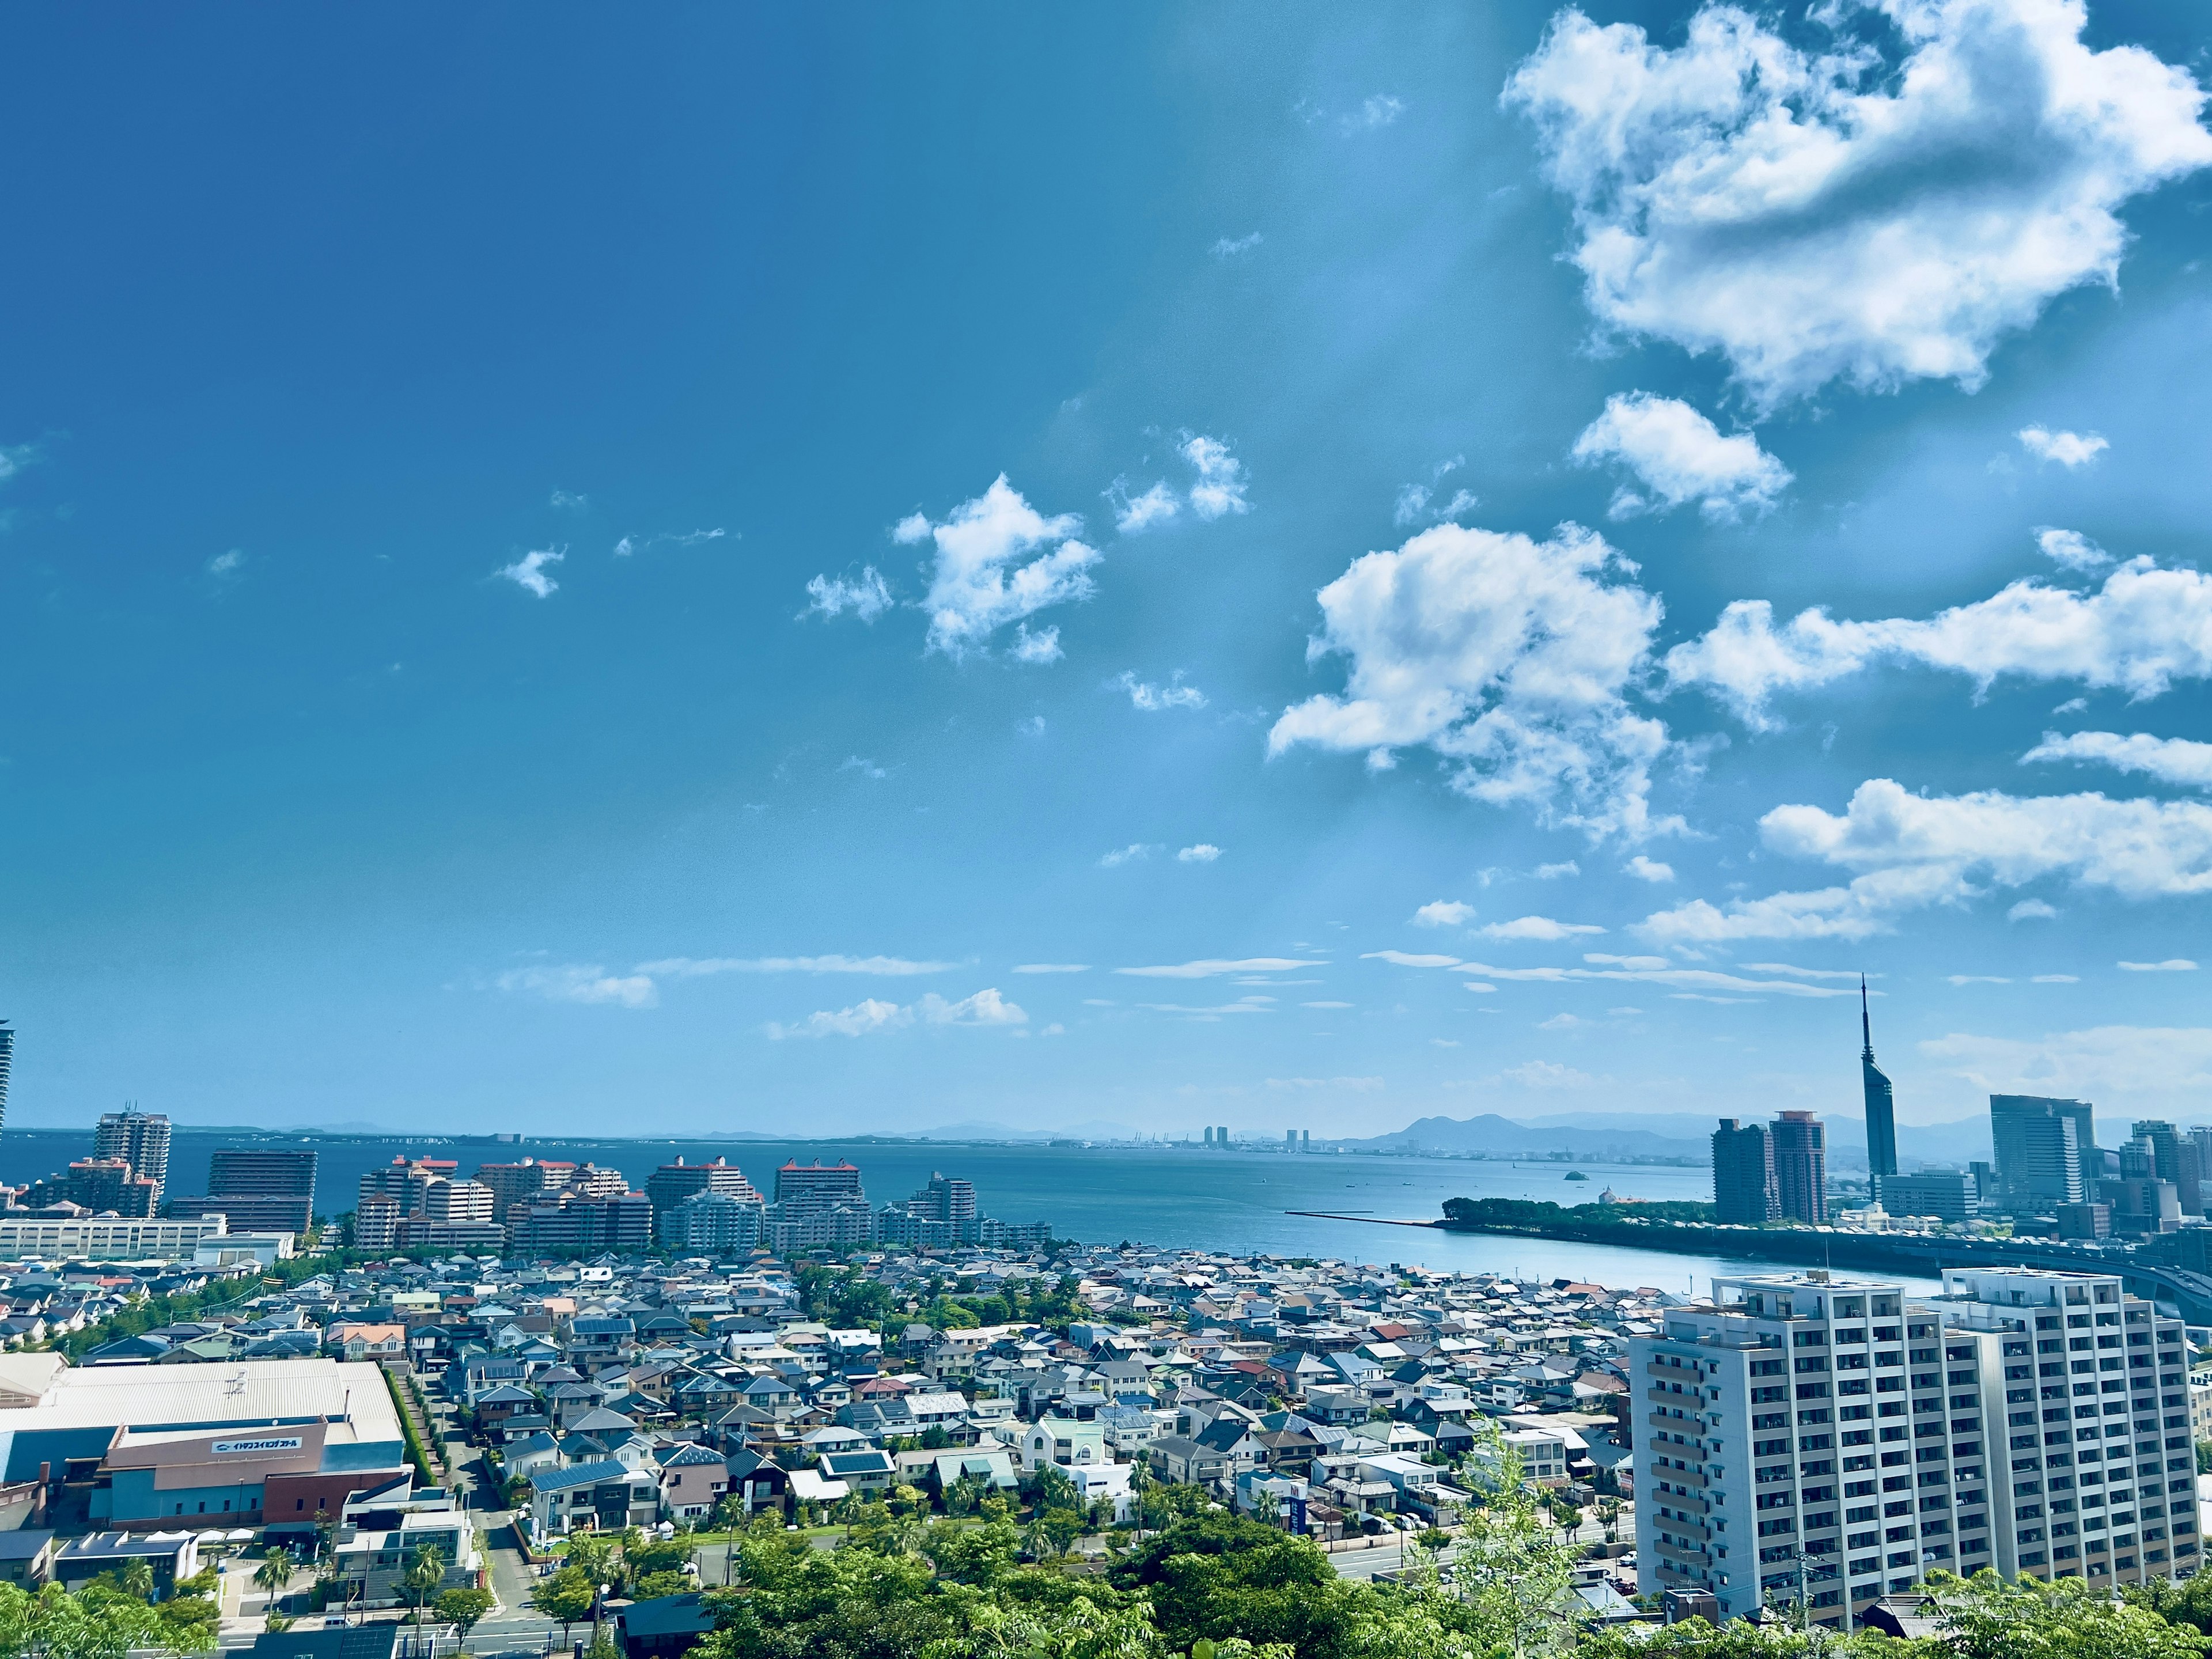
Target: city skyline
[{"x": 1250, "y": 568}]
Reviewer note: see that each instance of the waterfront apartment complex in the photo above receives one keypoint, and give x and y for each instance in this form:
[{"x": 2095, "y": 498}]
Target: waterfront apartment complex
[
  {"x": 257, "y": 1189},
  {"x": 1768, "y": 1172},
  {"x": 1836, "y": 1439}
]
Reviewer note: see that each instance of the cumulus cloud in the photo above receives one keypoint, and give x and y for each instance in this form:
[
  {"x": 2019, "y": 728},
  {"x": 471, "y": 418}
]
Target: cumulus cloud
[
  {"x": 529, "y": 571},
  {"x": 1880, "y": 211},
  {"x": 2170, "y": 760},
  {"x": 2145, "y": 1066},
  {"x": 2144, "y": 628},
  {"x": 1507, "y": 657},
  {"x": 985, "y": 1008},
  {"x": 1645, "y": 869},
  {"x": 1214, "y": 967},
  {"x": 2032, "y": 910},
  {"x": 1220, "y": 487},
  {"x": 1678, "y": 456},
  {"x": 1153, "y": 698},
  {"x": 1443, "y": 913},
  {"x": 2070, "y": 548},
  {"x": 867, "y": 596},
  {"x": 1205, "y": 853},
  {"x": 985, "y": 578},
  {"x": 702, "y": 967},
  {"x": 1042, "y": 646},
  {"x": 2068, "y": 449},
  {"x": 1539, "y": 928},
  {"x": 581, "y": 983},
  {"x": 1914, "y": 851},
  {"x": 1133, "y": 513},
  {"x": 2171, "y": 965}
]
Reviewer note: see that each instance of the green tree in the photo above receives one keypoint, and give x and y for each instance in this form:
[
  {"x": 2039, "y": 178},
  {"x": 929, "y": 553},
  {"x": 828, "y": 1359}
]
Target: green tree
[
  {"x": 567, "y": 1595},
  {"x": 274, "y": 1572},
  {"x": 464, "y": 1608},
  {"x": 1985, "y": 1618},
  {"x": 424, "y": 1574}
]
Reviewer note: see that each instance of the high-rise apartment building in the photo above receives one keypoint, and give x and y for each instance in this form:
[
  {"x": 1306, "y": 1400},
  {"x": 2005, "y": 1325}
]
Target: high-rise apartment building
[
  {"x": 2046, "y": 1150},
  {"x": 711, "y": 1220},
  {"x": 521, "y": 1183},
  {"x": 140, "y": 1139},
  {"x": 1800, "y": 1166},
  {"x": 1881, "y": 1102},
  {"x": 575, "y": 1221},
  {"x": 1835, "y": 1435},
  {"x": 819, "y": 1183},
  {"x": 671, "y": 1183},
  {"x": 2173, "y": 1158},
  {"x": 256, "y": 1189},
  {"x": 1743, "y": 1175},
  {"x": 450, "y": 1200},
  {"x": 99, "y": 1186},
  {"x": 7, "y": 1066}
]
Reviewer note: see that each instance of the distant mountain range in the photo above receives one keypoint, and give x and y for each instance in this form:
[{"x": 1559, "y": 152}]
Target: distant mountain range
[{"x": 1665, "y": 1134}]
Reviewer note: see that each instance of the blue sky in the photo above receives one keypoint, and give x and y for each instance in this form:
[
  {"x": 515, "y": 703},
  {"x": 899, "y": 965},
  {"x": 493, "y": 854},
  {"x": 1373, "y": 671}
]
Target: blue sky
[{"x": 566, "y": 575}]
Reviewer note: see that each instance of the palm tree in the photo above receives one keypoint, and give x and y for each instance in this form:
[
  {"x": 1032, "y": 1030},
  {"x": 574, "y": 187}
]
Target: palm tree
[
  {"x": 274, "y": 1572},
  {"x": 138, "y": 1579},
  {"x": 423, "y": 1578}
]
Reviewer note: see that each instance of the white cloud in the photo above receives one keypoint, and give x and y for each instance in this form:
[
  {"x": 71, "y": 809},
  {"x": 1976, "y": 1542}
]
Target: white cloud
[
  {"x": 1881, "y": 212},
  {"x": 625, "y": 547},
  {"x": 2056, "y": 979},
  {"x": 1205, "y": 853},
  {"x": 1042, "y": 646},
  {"x": 1806, "y": 973},
  {"x": 1540, "y": 928},
  {"x": 226, "y": 563},
  {"x": 2143, "y": 629},
  {"x": 985, "y": 1008},
  {"x": 2144, "y": 1066},
  {"x": 1679, "y": 456},
  {"x": 1324, "y": 1005},
  {"x": 1133, "y": 513},
  {"x": 2070, "y": 548},
  {"x": 1220, "y": 486},
  {"x": 1228, "y": 247},
  {"x": 867, "y": 596},
  {"x": 630, "y": 545},
  {"x": 1553, "y": 872},
  {"x": 1363, "y": 1085},
  {"x": 569, "y": 501},
  {"x": 1914, "y": 851},
  {"x": 1053, "y": 968},
  {"x": 13, "y": 457},
  {"x": 1562, "y": 1023},
  {"x": 1153, "y": 698},
  {"x": 701, "y": 967},
  {"x": 1251, "y": 1004},
  {"x": 528, "y": 572},
  {"x": 864, "y": 766},
  {"x": 1976, "y": 979},
  {"x": 1653, "y": 970},
  {"x": 1133, "y": 853},
  {"x": 579, "y": 983},
  {"x": 2171, "y": 965},
  {"x": 983, "y": 577},
  {"x": 1645, "y": 869},
  {"x": 2031, "y": 910},
  {"x": 2068, "y": 449},
  {"x": 1379, "y": 111},
  {"x": 1410, "y": 502},
  {"x": 1544, "y": 1074},
  {"x": 1462, "y": 501},
  {"x": 2170, "y": 760},
  {"x": 1507, "y": 657},
  {"x": 1443, "y": 913},
  {"x": 1211, "y": 968}
]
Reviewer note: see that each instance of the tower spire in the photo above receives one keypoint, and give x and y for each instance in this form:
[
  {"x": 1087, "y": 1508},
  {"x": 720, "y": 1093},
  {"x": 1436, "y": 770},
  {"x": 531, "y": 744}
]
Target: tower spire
[{"x": 1866, "y": 1020}]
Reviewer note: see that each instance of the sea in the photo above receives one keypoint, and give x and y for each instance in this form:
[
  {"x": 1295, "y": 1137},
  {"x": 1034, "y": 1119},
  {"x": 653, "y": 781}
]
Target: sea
[{"x": 1242, "y": 1200}]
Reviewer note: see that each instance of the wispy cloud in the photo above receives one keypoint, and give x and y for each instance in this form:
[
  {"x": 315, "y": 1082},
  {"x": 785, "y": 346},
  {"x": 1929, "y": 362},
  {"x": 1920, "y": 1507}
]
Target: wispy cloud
[
  {"x": 529, "y": 571},
  {"x": 1359, "y": 1085},
  {"x": 1053, "y": 968},
  {"x": 1380, "y": 110},
  {"x": 582, "y": 982},
  {"x": 1251, "y": 1004},
  {"x": 867, "y": 596},
  {"x": 699, "y": 967},
  {"x": 227, "y": 564},
  {"x": 1228, "y": 247},
  {"x": 569, "y": 501},
  {"x": 985, "y": 1008},
  {"x": 1220, "y": 486},
  {"x": 1540, "y": 929},
  {"x": 1212, "y": 967},
  {"x": 631, "y": 544},
  {"x": 1154, "y": 698},
  {"x": 1553, "y": 872},
  {"x": 1655, "y": 970},
  {"x": 1135, "y": 853},
  {"x": 2171, "y": 965},
  {"x": 1133, "y": 514}
]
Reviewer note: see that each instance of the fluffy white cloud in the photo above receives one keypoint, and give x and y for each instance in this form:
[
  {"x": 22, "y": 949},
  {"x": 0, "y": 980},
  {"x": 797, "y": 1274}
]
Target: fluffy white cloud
[
  {"x": 578, "y": 982},
  {"x": 2068, "y": 449},
  {"x": 1540, "y": 928},
  {"x": 1880, "y": 211},
  {"x": 529, "y": 571},
  {"x": 1443, "y": 913},
  {"x": 1042, "y": 646},
  {"x": 1645, "y": 869},
  {"x": 1220, "y": 486},
  {"x": 2170, "y": 760},
  {"x": 1133, "y": 513},
  {"x": 2146, "y": 1066},
  {"x": 1153, "y": 698},
  {"x": 866, "y": 596},
  {"x": 1213, "y": 967},
  {"x": 1679, "y": 456},
  {"x": 2070, "y": 548},
  {"x": 984, "y": 576},
  {"x": 2143, "y": 629},
  {"x": 986, "y": 1008},
  {"x": 1507, "y": 657},
  {"x": 2171, "y": 965},
  {"x": 1205, "y": 853},
  {"x": 700, "y": 967},
  {"x": 1914, "y": 851}
]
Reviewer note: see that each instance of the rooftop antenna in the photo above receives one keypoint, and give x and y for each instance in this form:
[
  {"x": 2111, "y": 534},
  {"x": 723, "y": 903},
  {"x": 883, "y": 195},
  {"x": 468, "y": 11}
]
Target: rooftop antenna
[{"x": 1866, "y": 1020}]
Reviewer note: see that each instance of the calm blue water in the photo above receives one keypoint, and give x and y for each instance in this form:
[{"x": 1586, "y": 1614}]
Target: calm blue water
[{"x": 1182, "y": 1197}]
